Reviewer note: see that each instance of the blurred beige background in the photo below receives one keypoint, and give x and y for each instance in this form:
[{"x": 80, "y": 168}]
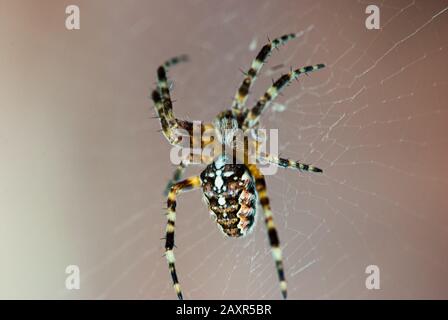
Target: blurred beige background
[{"x": 82, "y": 167}]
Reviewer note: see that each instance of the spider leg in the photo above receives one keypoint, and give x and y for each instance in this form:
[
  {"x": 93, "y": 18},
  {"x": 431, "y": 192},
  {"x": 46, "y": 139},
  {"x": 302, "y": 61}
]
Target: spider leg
[
  {"x": 260, "y": 185},
  {"x": 270, "y": 95},
  {"x": 169, "y": 124},
  {"x": 164, "y": 106},
  {"x": 180, "y": 169},
  {"x": 177, "y": 175},
  {"x": 287, "y": 163},
  {"x": 162, "y": 82},
  {"x": 184, "y": 185},
  {"x": 243, "y": 91}
]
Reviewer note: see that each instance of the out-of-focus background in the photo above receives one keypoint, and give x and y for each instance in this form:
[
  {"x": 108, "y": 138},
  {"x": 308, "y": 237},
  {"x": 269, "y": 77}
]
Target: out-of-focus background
[{"x": 82, "y": 166}]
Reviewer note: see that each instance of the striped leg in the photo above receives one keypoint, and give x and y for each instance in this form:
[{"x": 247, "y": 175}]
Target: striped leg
[
  {"x": 286, "y": 163},
  {"x": 178, "y": 172},
  {"x": 168, "y": 124},
  {"x": 184, "y": 185},
  {"x": 189, "y": 159},
  {"x": 270, "y": 95},
  {"x": 260, "y": 185},
  {"x": 164, "y": 106},
  {"x": 251, "y": 74},
  {"x": 162, "y": 83}
]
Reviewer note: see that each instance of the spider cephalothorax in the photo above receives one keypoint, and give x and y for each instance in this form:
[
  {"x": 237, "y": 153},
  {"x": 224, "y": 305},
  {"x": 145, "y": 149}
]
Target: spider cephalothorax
[
  {"x": 231, "y": 190},
  {"x": 226, "y": 125}
]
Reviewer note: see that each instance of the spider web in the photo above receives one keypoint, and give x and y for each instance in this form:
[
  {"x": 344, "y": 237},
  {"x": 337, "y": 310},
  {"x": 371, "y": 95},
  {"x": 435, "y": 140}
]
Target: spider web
[{"x": 374, "y": 120}]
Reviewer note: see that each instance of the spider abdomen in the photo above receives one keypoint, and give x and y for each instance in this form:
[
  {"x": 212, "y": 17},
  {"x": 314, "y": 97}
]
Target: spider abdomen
[{"x": 229, "y": 192}]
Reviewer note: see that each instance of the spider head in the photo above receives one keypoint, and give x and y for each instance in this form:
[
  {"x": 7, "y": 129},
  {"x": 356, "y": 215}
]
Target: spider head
[{"x": 226, "y": 127}]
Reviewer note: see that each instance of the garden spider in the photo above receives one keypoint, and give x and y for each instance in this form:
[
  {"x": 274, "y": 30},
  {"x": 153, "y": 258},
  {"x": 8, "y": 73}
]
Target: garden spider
[{"x": 230, "y": 190}]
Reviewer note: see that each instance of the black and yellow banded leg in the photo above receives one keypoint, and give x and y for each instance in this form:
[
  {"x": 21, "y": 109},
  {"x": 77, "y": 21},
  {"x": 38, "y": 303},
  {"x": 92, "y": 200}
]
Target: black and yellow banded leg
[
  {"x": 270, "y": 95},
  {"x": 162, "y": 83},
  {"x": 260, "y": 184},
  {"x": 184, "y": 185},
  {"x": 177, "y": 175},
  {"x": 243, "y": 91},
  {"x": 171, "y": 127},
  {"x": 287, "y": 163},
  {"x": 164, "y": 106},
  {"x": 168, "y": 124}
]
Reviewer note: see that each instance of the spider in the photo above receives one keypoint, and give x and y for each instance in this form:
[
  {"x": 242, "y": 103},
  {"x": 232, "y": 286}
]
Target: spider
[{"x": 230, "y": 190}]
